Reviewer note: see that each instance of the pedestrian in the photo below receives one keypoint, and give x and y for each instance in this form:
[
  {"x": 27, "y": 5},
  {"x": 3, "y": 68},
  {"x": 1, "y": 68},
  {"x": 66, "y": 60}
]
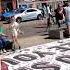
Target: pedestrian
[
  {"x": 59, "y": 14},
  {"x": 14, "y": 28},
  {"x": 48, "y": 11},
  {"x": 2, "y": 30},
  {"x": 50, "y": 8},
  {"x": 2, "y": 33},
  {"x": 67, "y": 16},
  {"x": 50, "y": 17}
]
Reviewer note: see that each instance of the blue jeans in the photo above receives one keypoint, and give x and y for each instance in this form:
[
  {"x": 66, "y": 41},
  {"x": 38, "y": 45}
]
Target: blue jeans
[
  {"x": 1, "y": 45},
  {"x": 67, "y": 21}
]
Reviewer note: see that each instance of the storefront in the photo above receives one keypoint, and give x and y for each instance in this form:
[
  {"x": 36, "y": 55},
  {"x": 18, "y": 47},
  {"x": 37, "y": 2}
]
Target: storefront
[{"x": 7, "y": 5}]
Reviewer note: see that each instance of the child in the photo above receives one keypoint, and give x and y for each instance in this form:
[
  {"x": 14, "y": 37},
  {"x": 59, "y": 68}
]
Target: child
[{"x": 15, "y": 27}]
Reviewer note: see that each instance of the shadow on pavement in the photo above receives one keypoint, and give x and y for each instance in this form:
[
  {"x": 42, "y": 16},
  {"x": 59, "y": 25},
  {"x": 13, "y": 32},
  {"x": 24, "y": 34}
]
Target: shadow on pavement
[
  {"x": 44, "y": 34},
  {"x": 40, "y": 27},
  {"x": 50, "y": 38}
]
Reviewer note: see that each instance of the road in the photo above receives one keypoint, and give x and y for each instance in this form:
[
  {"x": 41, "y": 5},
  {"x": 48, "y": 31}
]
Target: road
[{"x": 34, "y": 33}]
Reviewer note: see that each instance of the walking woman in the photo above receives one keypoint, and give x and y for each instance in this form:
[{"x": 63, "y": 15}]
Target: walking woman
[{"x": 14, "y": 28}]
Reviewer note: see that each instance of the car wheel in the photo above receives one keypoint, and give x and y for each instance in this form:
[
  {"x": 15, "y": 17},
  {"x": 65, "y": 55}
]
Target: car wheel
[
  {"x": 19, "y": 20},
  {"x": 39, "y": 17}
]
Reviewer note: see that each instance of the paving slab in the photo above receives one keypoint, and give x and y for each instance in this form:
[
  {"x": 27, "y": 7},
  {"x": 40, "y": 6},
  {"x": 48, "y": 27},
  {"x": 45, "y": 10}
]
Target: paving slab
[{"x": 40, "y": 57}]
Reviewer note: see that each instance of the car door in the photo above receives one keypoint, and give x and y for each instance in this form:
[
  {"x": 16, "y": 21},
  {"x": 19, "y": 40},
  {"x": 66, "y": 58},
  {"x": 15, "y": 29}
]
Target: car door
[
  {"x": 23, "y": 15},
  {"x": 31, "y": 14}
]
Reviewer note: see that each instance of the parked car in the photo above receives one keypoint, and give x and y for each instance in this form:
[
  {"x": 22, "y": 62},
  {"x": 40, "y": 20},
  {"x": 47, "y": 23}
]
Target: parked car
[
  {"x": 28, "y": 14},
  {"x": 7, "y": 15}
]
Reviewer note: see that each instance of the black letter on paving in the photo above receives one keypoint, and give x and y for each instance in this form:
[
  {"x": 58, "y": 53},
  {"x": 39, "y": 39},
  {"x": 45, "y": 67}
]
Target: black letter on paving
[
  {"x": 43, "y": 54},
  {"x": 25, "y": 57},
  {"x": 64, "y": 58},
  {"x": 23, "y": 68},
  {"x": 61, "y": 48},
  {"x": 45, "y": 65},
  {"x": 11, "y": 61}
]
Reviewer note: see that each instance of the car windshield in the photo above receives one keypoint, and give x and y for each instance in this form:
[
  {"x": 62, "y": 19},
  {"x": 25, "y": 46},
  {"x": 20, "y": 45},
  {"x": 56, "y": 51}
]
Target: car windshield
[
  {"x": 10, "y": 13},
  {"x": 15, "y": 11},
  {"x": 20, "y": 10}
]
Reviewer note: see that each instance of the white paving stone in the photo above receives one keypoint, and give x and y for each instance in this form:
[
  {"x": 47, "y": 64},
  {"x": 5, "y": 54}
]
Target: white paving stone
[{"x": 42, "y": 53}]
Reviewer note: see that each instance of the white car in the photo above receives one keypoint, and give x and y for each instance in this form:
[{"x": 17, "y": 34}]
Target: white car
[{"x": 28, "y": 14}]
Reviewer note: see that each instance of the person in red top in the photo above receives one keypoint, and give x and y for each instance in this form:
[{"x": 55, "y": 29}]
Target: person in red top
[{"x": 4, "y": 66}]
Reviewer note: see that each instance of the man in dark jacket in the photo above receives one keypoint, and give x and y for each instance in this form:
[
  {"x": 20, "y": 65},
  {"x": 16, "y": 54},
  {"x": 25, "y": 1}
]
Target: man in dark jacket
[{"x": 59, "y": 14}]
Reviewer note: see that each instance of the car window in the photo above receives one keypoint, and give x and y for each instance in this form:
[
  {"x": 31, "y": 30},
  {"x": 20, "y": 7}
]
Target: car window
[
  {"x": 21, "y": 10},
  {"x": 24, "y": 6},
  {"x": 31, "y": 10}
]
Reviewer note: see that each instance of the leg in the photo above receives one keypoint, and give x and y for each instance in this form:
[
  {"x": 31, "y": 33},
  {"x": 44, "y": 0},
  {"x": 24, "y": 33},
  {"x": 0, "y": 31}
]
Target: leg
[
  {"x": 15, "y": 40},
  {"x": 57, "y": 21},
  {"x": 48, "y": 24}
]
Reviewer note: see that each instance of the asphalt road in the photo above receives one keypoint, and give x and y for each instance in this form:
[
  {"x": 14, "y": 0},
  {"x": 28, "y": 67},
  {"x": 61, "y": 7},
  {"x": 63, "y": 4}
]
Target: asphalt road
[
  {"x": 34, "y": 33},
  {"x": 33, "y": 28}
]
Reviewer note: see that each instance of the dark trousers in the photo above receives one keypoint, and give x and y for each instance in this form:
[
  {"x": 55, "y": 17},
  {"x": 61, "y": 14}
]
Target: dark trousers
[{"x": 58, "y": 23}]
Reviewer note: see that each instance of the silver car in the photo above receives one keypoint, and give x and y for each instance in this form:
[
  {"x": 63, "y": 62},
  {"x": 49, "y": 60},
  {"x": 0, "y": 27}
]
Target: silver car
[{"x": 29, "y": 14}]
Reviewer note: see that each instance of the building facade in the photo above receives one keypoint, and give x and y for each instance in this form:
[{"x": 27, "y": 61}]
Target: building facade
[
  {"x": 13, "y": 4},
  {"x": 7, "y": 4},
  {"x": 38, "y": 3}
]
